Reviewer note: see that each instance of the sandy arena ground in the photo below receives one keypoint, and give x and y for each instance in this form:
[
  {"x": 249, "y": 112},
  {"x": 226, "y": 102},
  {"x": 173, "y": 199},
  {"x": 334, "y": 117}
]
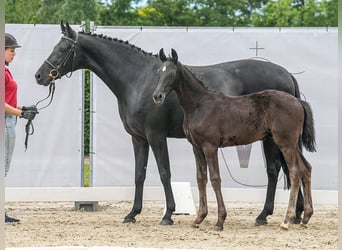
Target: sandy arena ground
[{"x": 58, "y": 224}]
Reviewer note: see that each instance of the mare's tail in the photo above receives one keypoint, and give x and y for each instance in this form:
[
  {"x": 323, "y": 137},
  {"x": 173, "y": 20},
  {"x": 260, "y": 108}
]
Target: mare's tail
[
  {"x": 296, "y": 87},
  {"x": 308, "y": 133}
]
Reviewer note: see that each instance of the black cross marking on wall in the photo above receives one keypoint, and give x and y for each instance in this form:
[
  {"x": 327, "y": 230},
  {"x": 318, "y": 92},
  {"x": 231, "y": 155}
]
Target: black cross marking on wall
[{"x": 256, "y": 48}]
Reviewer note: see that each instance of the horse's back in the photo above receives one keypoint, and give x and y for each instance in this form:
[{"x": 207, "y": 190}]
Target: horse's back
[{"x": 245, "y": 76}]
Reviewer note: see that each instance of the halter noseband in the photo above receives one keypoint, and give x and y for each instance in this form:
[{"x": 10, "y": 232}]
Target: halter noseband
[{"x": 54, "y": 72}]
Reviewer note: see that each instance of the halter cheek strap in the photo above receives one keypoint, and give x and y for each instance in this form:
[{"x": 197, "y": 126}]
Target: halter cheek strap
[{"x": 54, "y": 72}]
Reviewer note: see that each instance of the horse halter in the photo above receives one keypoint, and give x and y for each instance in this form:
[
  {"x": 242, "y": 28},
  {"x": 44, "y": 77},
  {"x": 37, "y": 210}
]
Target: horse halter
[{"x": 54, "y": 72}]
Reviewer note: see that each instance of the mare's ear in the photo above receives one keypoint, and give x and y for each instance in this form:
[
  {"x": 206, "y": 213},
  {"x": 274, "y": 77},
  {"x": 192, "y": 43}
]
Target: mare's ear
[
  {"x": 174, "y": 55},
  {"x": 68, "y": 30},
  {"x": 62, "y": 27},
  {"x": 162, "y": 55}
]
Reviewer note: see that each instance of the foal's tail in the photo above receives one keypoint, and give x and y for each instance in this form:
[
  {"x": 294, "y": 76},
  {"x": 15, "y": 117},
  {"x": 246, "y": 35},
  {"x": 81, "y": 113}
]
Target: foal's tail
[{"x": 308, "y": 133}]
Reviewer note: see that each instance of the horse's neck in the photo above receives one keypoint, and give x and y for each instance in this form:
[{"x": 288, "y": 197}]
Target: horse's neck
[
  {"x": 190, "y": 90},
  {"x": 117, "y": 64}
]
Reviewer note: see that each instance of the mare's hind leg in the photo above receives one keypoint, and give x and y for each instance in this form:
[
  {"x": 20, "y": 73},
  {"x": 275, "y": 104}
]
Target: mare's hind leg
[
  {"x": 306, "y": 178},
  {"x": 272, "y": 156},
  {"x": 141, "y": 157},
  {"x": 202, "y": 180},
  {"x": 215, "y": 179},
  {"x": 160, "y": 151}
]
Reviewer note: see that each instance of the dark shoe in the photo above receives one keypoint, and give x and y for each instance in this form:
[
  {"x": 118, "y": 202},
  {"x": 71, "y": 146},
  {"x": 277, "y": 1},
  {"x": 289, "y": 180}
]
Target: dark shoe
[{"x": 10, "y": 219}]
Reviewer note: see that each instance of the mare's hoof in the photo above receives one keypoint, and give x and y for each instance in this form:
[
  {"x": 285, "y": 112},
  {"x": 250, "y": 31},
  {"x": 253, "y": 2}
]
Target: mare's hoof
[
  {"x": 297, "y": 221},
  {"x": 284, "y": 226},
  {"x": 218, "y": 228},
  {"x": 260, "y": 222},
  {"x": 129, "y": 220},
  {"x": 166, "y": 222}
]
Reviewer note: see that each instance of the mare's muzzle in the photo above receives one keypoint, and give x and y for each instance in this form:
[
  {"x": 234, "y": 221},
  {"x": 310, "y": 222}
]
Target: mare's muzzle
[{"x": 159, "y": 98}]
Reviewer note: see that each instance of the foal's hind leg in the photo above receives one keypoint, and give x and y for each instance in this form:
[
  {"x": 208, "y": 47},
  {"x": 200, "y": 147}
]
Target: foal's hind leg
[
  {"x": 274, "y": 161},
  {"x": 306, "y": 178},
  {"x": 291, "y": 157},
  {"x": 202, "y": 180}
]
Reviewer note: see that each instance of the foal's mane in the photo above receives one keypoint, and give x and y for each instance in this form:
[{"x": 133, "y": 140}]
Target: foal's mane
[
  {"x": 116, "y": 40},
  {"x": 188, "y": 71}
]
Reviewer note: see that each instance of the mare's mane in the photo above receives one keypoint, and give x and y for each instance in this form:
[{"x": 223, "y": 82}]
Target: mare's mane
[{"x": 126, "y": 43}]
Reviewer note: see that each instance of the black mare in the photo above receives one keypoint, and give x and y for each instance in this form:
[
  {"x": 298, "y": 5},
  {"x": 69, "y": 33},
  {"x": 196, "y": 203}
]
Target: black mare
[
  {"x": 126, "y": 70},
  {"x": 210, "y": 119}
]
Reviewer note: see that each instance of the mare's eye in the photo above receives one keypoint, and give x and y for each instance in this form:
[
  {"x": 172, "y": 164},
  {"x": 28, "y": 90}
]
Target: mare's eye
[{"x": 64, "y": 49}]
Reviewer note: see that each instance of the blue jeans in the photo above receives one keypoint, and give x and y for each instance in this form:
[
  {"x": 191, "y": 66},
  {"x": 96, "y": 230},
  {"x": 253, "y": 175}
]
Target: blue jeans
[{"x": 10, "y": 123}]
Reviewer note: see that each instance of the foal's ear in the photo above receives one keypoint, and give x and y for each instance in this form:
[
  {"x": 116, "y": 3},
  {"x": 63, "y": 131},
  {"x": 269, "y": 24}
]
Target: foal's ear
[
  {"x": 162, "y": 55},
  {"x": 174, "y": 55}
]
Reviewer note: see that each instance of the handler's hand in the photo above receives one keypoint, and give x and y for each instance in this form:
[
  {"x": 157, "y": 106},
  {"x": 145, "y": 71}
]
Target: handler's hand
[
  {"x": 28, "y": 114},
  {"x": 32, "y": 107}
]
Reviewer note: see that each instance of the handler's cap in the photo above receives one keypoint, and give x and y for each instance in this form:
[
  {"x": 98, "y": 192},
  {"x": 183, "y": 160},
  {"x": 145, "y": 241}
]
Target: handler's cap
[{"x": 10, "y": 41}]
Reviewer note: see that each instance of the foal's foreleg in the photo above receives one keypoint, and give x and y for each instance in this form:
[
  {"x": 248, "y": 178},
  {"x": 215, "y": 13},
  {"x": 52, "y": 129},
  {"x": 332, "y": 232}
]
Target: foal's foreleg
[
  {"x": 202, "y": 180},
  {"x": 215, "y": 179}
]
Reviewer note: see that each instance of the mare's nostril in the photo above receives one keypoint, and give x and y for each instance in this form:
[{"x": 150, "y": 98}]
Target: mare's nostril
[
  {"x": 37, "y": 76},
  {"x": 157, "y": 98}
]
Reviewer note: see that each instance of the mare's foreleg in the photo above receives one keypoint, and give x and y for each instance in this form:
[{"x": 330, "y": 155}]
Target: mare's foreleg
[
  {"x": 202, "y": 180},
  {"x": 141, "y": 149},
  {"x": 210, "y": 153},
  {"x": 160, "y": 151}
]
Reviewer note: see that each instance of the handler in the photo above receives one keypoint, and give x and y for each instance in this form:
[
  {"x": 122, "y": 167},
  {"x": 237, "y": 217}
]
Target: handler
[{"x": 12, "y": 109}]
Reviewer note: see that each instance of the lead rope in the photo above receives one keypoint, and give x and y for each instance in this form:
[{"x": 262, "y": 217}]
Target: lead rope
[{"x": 29, "y": 128}]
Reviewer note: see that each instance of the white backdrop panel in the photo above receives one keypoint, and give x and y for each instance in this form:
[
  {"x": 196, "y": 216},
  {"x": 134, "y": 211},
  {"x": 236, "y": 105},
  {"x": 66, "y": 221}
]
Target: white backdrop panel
[
  {"x": 310, "y": 52},
  {"x": 53, "y": 157}
]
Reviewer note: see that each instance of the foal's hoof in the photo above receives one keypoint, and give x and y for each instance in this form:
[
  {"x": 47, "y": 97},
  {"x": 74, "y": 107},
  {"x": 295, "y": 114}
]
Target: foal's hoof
[
  {"x": 129, "y": 220},
  {"x": 284, "y": 226},
  {"x": 166, "y": 222},
  {"x": 260, "y": 222},
  {"x": 301, "y": 225},
  {"x": 195, "y": 225}
]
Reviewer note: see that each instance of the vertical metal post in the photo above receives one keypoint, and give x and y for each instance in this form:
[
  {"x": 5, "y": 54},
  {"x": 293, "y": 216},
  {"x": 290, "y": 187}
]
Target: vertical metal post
[
  {"x": 2, "y": 127},
  {"x": 83, "y": 23},
  {"x": 340, "y": 126},
  {"x": 91, "y": 120}
]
